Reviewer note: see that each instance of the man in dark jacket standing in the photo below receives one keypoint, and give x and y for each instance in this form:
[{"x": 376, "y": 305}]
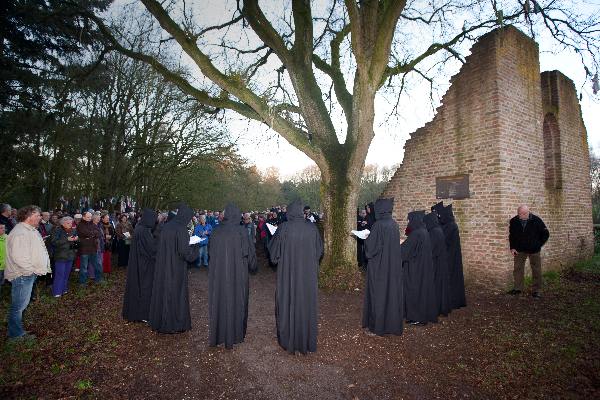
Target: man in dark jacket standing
[
  {"x": 88, "y": 248},
  {"x": 527, "y": 235}
]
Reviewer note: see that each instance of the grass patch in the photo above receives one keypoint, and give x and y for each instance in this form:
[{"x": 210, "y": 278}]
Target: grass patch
[
  {"x": 591, "y": 266},
  {"x": 83, "y": 384},
  {"x": 94, "y": 337}
]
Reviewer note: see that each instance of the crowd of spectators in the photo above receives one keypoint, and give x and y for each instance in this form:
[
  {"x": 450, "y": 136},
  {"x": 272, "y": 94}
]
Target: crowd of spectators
[
  {"x": 50, "y": 245},
  {"x": 84, "y": 241}
]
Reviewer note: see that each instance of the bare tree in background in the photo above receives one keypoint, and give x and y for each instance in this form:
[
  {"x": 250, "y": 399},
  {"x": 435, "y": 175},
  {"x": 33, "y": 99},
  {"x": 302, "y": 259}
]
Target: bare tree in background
[{"x": 312, "y": 74}]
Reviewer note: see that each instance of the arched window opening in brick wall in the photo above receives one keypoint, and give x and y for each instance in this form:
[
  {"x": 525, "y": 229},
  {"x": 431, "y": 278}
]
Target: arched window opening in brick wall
[{"x": 552, "y": 159}]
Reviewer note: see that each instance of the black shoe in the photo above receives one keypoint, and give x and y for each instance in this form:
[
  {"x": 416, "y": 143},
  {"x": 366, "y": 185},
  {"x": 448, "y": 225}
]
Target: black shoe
[
  {"x": 514, "y": 292},
  {"x": 536, "y": 295}
]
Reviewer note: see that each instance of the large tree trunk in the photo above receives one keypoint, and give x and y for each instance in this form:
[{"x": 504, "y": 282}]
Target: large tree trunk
[
  {"x": 340, "y": 185},
  {"x": 339, "y": 267}
]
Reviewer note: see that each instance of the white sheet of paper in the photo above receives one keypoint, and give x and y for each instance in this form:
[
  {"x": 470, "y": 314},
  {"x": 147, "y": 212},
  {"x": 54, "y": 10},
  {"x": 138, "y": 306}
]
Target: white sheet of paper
[
  {"x": 127, "y": 235},
  {"x": 361, "y": 234},
  {"x": 195, "y": 239},
  {"x": 272, "y": 228}
]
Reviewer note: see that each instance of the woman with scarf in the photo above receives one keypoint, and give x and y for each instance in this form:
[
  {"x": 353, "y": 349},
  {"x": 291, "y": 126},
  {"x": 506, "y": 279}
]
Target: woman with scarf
[{"x": 124, "y": 233}]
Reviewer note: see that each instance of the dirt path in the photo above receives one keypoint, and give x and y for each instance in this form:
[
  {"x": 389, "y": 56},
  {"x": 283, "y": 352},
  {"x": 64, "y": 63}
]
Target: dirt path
[{"x": 498, "y": 347}]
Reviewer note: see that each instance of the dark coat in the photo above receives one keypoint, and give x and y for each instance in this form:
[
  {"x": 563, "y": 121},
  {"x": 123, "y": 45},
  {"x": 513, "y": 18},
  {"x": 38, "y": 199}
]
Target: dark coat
[
  {"x": 170, "y": 305},
  {"x": 88, "y": 237},
  {"x": 439, "y": 257},
  {"x": 531, "y": 239},
  {"x": 456, "y": 280},
  {"x": 383, "y": 308},
  {"x": 231, "y": 251},
  {"x": 419, "y": 290},
  {"x": 140, "y": 270},
  {"x": 296, "y": 248},
  {"x": 371, "y": 213},
  {"x": 7, "y": 222},
  {"x": 61, "y": 244}
]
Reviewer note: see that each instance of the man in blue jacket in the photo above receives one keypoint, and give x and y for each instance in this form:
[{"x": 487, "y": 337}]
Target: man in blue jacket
[
  {"x": 203, "y": 230},
  {"x": 527, "y": 235}
]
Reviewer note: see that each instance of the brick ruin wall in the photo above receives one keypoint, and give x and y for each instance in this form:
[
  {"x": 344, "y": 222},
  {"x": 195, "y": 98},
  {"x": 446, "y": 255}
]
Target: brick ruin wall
[{"x": 519, "y": 136}]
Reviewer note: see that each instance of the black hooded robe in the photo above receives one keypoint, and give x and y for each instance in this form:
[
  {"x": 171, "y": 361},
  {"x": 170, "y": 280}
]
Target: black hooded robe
[
  {"x": 456, "y": 280},
  {"x": 383, "y": 309},
  {"x": 140, "y": 270},
  {"x": 296, "y": 248},
  {"x": 231, "y": 252},
  {"x": 419, "y": 290},
  {"x": 439, "y": 257},
  {"x": 170, "y": 306}
]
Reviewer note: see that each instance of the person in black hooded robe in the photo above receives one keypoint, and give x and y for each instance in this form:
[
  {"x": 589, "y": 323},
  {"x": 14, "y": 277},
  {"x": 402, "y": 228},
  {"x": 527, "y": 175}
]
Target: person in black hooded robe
[
  {"x": 456, "y": 280},
  {"x": 383, "y": 309},
  {"x": 371, "y": 218},
  {"x": 140, "y": 270},
  {"x": 419, "y": 291},
  {"x": 296, "y": 248},
  {"x": 437, "y": 209},
  {"x": 170, "y": 306},
  {"x": 231, "y": 252},
  {"x": 439, "y": 258}
]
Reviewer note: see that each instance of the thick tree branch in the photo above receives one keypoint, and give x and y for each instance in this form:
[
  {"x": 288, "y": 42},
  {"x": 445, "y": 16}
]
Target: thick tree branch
[
  {"x": 232, "y": 84},
  {"x": 265, "y": 31},
  {"x": 303, "y": 33},
  {"x": 388, "y": 16}
]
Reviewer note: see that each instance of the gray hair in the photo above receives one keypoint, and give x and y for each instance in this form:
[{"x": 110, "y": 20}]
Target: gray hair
[
  {"x": 5, "y": 207},
  {"x": 64, "y": 220}
]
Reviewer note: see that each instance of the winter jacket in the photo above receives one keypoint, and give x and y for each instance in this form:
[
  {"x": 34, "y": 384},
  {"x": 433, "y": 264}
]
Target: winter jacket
[
  {"x": 529, "y": 239},
  {"x": 62, "y": 246},
  {"x": 3, "y": 251},
  {"x": 199, "y": 231},
  {"x": 26, "y": 253},
  {"x": 88, "y": 237}
]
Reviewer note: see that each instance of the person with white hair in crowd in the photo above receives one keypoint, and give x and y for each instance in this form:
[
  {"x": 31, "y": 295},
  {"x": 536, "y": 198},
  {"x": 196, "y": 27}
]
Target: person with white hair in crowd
[
  {"x": 65, "y": 243},
  {"x": 5, "y": 217}
]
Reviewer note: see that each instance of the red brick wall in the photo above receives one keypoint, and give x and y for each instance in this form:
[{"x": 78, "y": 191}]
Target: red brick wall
[{"x": 490, "y": 126}]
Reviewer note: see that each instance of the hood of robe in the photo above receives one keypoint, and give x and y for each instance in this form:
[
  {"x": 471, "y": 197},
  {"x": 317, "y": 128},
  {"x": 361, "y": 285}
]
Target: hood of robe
[
  {"x": 295, "y": 211},
  {"x": 383, "y": 208},
  {"x": 431, "y": 221},
  {"x": 371, "y": 208},
  {"x": 148, "y": 218},
  {"x": 446, "y": 214},
  {"x": 171, "y": 215},
  {"x": 436, "y": 208},
  {"x": 415, "y": 220},
  {"x": 232, "y": 214},
  {"x": 184, "y": 214}
]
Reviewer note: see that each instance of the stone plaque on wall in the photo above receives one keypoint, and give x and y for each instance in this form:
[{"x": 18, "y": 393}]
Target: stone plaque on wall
[{"x": 452, "y": 187}]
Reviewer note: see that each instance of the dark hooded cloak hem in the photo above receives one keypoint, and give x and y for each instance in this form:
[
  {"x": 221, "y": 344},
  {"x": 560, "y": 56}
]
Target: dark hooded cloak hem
[
  {"x": 456, "y": 280},
  {"x": 296, "y": 248},
  {"x": 231, "y": 252},
  {"x": 383, "y": 309},
  {"x": 170, "y": 306},
  {"x": 140, "y": 270},
  {"x": 419, "y": 291},
  {"x": 439, "y": 257}
]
